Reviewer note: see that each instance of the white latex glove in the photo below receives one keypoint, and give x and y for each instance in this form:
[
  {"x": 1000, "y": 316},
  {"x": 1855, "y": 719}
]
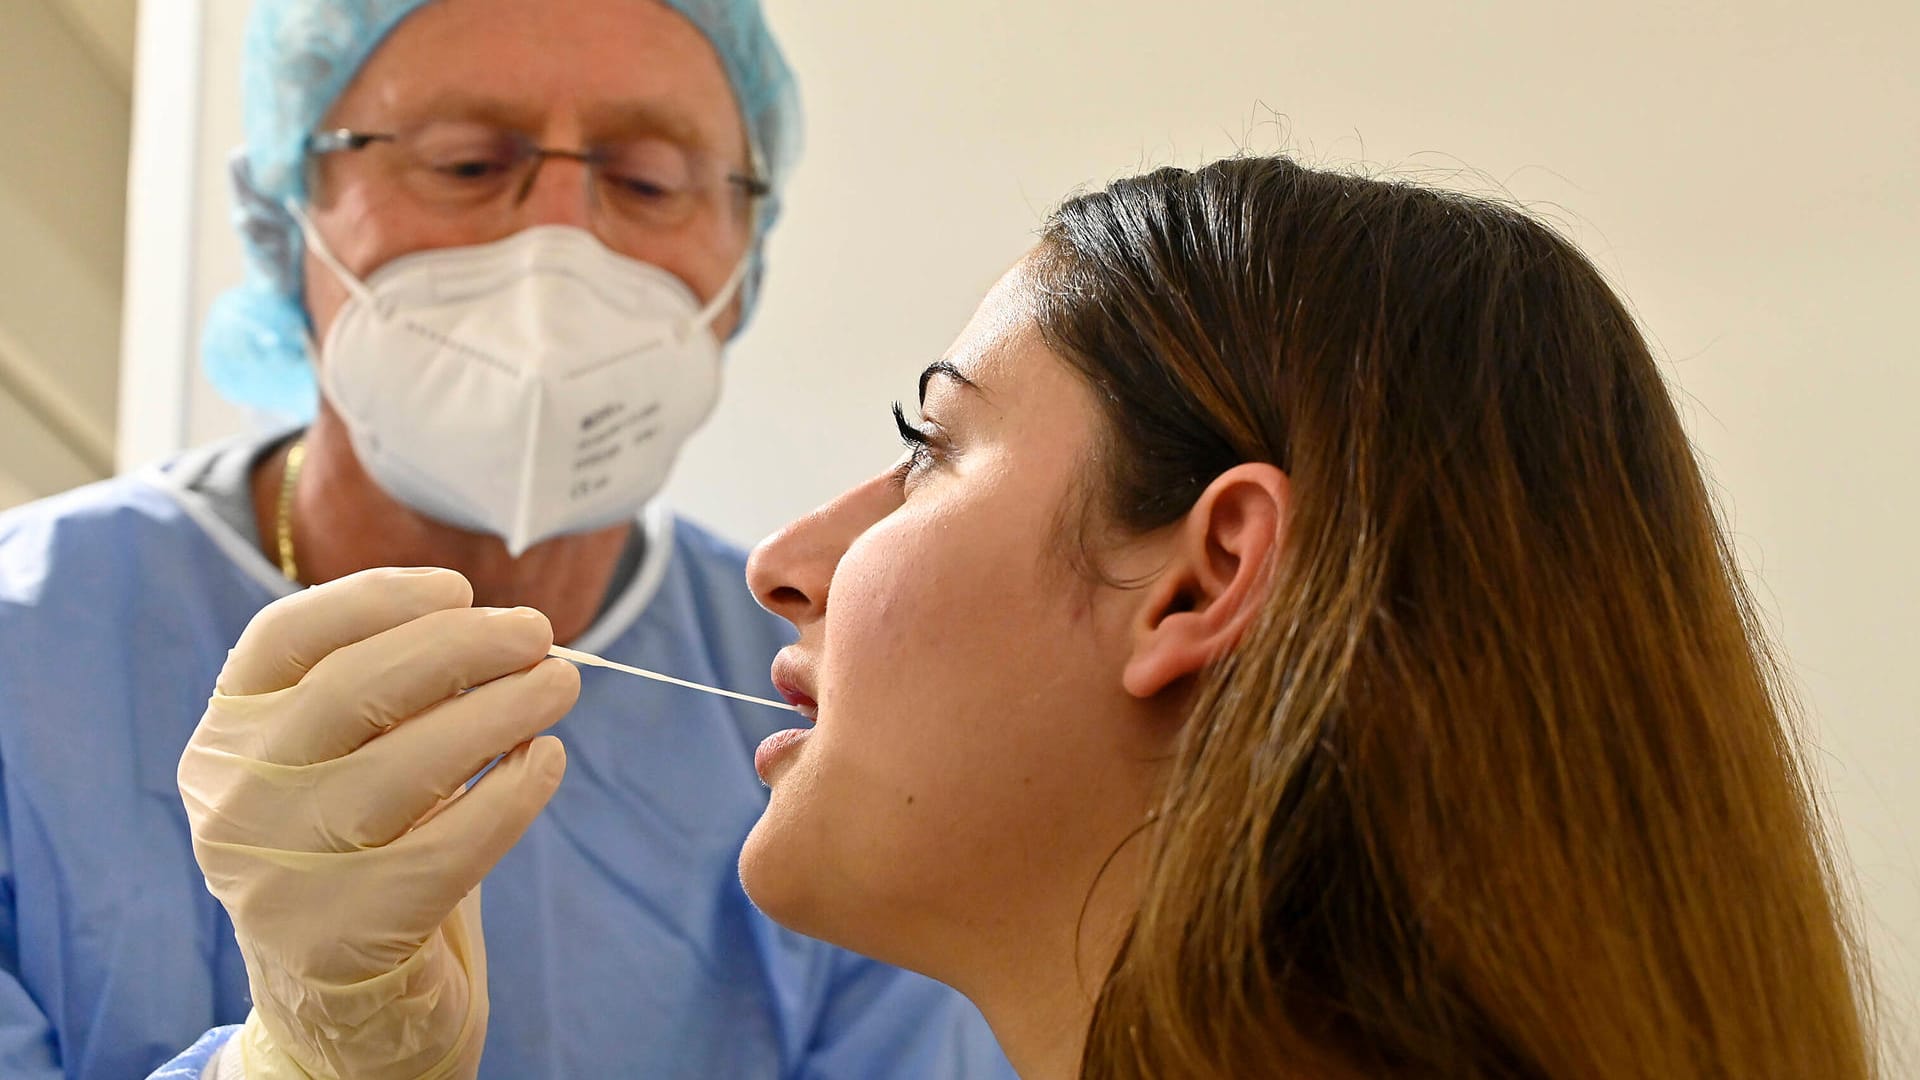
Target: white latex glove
[{"x": 324, "y": 790}]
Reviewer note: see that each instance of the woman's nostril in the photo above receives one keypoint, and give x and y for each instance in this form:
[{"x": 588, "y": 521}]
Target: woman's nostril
[{"x": 787, "y": 595}]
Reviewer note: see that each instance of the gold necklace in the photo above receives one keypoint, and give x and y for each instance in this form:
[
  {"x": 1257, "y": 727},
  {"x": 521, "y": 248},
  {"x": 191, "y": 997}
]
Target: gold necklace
[{"x": 289, "y": 475}]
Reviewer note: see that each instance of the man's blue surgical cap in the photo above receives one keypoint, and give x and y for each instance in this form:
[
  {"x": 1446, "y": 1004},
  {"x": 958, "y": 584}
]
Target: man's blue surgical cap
[{"x": 299, "y": 56}]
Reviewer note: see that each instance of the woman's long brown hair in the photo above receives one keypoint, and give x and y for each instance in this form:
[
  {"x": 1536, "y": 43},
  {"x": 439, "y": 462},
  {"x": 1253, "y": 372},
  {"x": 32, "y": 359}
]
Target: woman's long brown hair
[{"x": 1504, "y": 782}]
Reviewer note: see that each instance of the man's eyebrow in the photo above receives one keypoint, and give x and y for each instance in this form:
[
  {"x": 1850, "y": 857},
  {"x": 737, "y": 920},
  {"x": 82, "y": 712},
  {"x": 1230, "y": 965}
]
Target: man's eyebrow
[
  {"x": 622, "y": 119},
  {"x": 943, "y": 367},
  {"x": 455, "y": 104},
  {"x": 645, "y": 118}
]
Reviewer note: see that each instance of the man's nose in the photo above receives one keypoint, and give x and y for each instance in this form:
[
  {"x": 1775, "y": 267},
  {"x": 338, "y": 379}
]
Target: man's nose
[{"x": 558, "y": 190}]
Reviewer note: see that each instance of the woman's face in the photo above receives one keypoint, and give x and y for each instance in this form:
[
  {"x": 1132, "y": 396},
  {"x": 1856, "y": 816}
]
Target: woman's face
[{"x": 976, "y": 759}]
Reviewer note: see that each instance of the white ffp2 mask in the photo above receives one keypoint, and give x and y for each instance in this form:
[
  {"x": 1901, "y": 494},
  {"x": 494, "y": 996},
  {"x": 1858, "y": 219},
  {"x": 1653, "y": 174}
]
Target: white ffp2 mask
[{"x": 531, "y": 387}]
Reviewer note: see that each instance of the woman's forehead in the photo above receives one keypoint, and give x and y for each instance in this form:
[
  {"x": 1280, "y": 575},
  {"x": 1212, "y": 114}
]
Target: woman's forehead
[{"x": 1001, "y": 340}]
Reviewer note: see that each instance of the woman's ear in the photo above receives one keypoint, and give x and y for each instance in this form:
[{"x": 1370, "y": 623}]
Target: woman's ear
[{"x": 1215, "y": 580}]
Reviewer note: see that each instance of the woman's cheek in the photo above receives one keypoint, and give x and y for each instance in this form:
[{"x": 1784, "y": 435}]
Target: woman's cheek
[
  {"x": 861, "y": 599},
  {"x": 879, "y": 583}
]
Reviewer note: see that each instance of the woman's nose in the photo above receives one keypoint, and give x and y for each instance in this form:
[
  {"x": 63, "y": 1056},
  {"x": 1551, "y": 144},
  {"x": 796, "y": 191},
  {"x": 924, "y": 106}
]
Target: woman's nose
[{"x": 790, "y": 572}]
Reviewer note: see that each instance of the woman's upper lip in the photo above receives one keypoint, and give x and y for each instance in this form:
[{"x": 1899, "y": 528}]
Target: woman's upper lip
[
  {"x": 801, "y": 703},
  {"x": 789, "y": 677}
]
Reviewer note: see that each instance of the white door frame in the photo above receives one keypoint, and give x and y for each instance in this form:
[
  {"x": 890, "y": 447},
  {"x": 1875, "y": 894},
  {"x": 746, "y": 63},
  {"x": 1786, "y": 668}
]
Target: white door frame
[{"x": 158, "y": 321}]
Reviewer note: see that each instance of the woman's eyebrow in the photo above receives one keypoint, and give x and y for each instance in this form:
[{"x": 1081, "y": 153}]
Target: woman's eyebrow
[{"x": 943, "y": 367}]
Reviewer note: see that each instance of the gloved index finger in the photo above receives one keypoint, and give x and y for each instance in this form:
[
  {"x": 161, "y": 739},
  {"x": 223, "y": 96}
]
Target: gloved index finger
[
  {"x": 361, "y": 690},
  {"x": 292, "y": 634}
]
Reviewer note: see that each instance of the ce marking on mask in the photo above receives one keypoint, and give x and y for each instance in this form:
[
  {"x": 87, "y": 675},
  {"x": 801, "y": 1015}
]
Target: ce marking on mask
[{"x": 604, "y": 433}]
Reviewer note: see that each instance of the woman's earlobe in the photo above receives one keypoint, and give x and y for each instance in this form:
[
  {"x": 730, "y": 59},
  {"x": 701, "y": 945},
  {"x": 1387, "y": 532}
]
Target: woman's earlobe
[{"x": 1216, "y": 582}]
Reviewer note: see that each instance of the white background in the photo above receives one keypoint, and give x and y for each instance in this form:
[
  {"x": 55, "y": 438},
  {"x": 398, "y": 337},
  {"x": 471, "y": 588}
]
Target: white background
[{"x": 1748, "y": 174}]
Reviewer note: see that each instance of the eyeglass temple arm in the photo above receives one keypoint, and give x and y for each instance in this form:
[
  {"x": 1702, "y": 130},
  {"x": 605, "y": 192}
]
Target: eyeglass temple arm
[{"x": 337, "y": 139}]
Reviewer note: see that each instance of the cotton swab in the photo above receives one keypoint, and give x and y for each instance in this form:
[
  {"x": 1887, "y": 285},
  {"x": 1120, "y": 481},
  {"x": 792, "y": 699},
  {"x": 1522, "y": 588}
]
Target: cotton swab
[{"x": 591, "y": 660}]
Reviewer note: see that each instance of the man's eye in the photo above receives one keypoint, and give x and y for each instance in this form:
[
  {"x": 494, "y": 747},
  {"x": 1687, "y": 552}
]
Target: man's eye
[
  {"x": 470, "y": 170},
  {"x": 641, "y": 187}
]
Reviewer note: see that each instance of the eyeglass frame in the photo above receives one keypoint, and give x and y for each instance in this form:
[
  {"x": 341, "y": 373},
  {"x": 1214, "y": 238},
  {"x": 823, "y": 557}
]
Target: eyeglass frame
[{"x": 351, "y": 140}]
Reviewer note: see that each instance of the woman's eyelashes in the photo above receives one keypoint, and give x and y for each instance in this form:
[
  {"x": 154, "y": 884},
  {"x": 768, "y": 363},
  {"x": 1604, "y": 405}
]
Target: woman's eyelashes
[{"x": 920, "y": 447}]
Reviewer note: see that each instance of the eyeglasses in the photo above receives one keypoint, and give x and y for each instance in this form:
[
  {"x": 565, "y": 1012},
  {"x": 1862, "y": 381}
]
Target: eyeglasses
[{"x": 650, "y": 181}]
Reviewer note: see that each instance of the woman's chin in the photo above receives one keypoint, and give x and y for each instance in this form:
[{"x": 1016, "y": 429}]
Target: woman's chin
[
  {"x": 792, "y": 888},
  {"x": 781, "y": 883}
]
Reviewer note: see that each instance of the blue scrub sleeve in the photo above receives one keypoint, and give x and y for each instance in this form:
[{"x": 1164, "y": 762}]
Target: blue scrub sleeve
[
  {"x": 191, "y": 1064},
  {"x": 27, "y": 1048},
  {"x": 26, "y": 1036},
  {"x": 879, "y": 1017},
  {"x": 881, "y": 1021}
]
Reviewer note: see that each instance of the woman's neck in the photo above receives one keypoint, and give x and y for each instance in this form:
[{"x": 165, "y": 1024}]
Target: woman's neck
[
  {"x": 343, "y": 522},
  {"x": 1043, "y": 1030},
  {"x": 1039, "y": 987}
]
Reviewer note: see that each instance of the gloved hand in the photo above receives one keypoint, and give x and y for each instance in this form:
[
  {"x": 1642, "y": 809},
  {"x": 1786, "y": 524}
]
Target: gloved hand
[{"x": 324, "y": 790}]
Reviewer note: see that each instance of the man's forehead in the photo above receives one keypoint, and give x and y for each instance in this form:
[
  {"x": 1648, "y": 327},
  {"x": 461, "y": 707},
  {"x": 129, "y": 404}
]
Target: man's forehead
[
  {"x": 638, "y": 67},
  {"x": 668, "y": 118}
]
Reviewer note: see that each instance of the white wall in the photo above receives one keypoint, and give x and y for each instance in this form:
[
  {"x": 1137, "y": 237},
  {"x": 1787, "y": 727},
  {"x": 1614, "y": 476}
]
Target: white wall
[
  {"x": 1748, "y": 173},
  {"x": 65, "y": 87}
]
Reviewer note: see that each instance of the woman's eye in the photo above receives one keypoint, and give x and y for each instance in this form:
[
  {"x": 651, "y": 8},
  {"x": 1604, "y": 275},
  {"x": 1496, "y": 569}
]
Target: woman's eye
[
  {"x": 916, "y": 461},
  {"x": 919, "y": 446}
]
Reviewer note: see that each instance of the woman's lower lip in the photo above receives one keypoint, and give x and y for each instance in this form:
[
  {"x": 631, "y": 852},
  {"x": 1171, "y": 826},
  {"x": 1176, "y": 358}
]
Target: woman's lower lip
[{"x": 776, "y": 746}]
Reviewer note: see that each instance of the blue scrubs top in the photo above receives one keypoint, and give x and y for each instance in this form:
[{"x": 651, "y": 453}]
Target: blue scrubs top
[{"x": 619, "y": 942}]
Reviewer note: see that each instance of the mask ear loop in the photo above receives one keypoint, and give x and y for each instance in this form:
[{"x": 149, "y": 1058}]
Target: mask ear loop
[
  {"x": 339, "y": 270},
  {"x": 732, "y": 286},
  {"x": 721, "y": 299},
  {"x": 320, "y": 250}
]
